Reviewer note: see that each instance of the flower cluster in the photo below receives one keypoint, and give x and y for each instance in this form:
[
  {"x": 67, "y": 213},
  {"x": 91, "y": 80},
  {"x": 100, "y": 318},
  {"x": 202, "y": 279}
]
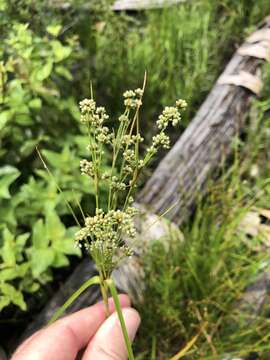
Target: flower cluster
[
  {"x": 171, "y": 114},
  {"x": 87, "y": 106},
  {"x": 131, "y": 139},
  {"x": 87, "y": 168},
  {"x": 91, "y": 114},
  {"x": 133, "y": 98},
  {"x": 102, "y": 236},
  {"x": 117, "y": 184},
  {"x": 161, "y": 139}
]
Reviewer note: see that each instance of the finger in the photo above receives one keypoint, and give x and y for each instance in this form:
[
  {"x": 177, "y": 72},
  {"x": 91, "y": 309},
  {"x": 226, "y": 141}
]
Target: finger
[
  {"x": 108, "y": 343},
  {"x": 63, "y": 339}
]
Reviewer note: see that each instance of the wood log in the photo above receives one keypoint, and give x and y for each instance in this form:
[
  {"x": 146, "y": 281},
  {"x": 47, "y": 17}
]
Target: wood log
[
  {"x": 119, "y": 5},
  {"x": 208, "y": 138},
  {"x": 135, "y": 5},
  {"x": 184, "y": 171}
]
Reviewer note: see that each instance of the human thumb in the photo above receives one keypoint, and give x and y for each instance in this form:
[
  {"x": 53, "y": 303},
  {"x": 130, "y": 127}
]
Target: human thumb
[{"x": 108, "y": 342}]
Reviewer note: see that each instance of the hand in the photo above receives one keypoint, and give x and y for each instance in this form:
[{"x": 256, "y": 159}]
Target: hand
[{"x": 86, "y": 329}]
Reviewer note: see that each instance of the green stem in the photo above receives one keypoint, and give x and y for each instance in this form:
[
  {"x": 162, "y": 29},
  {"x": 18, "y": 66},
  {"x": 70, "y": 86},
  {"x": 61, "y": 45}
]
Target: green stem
[
  {"x": 93, "y": 281},
  {"x": 104, "y": 293},
  {"x": 113, "y": 291}
]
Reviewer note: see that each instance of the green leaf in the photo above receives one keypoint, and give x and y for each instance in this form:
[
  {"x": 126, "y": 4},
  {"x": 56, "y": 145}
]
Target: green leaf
[
  {"x": 14, "y": 296},
  {"x": 18, "y": 271},
  {"x": 8, "y": 251},
  {"x": 62, "y": 71},
  {"x": 4, "y": 302},
  {"x": 7, "y": 175},
  {"x": 44, "y": 72},
  {"x": 5, "y": 116},
  {"x": 33, "y": 287},
  {"x": 95, "y": 280},
  {"x": 42, "y": 259},
  {"x": 8, "y": 274},
  {"x": 60, "y": 260},
  {"x": 60, "y": 52},
  {"x": 66, "y": 246},
  {"x": 21, "y": 241},
  {"x": 54, "y": 227},
  {"x": 54, "y": 30},
  {"x": 39, "y": 238},
  {"x": 35, "y": 103}
]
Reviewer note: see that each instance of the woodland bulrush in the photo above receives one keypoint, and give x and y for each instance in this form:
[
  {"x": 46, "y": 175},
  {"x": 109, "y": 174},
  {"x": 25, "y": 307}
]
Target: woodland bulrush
[{"x": 102, "y": 235}]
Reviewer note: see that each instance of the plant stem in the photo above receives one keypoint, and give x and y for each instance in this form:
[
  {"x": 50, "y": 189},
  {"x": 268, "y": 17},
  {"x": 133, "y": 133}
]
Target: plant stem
[
  {"x": 93, "y": 281},
  {"x": 113, "y": 291},
  {"x": 104, "y": 293}
]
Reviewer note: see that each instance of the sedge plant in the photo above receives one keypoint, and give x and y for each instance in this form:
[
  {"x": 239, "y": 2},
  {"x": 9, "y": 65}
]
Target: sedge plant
[{"x": 102, "y": 235}]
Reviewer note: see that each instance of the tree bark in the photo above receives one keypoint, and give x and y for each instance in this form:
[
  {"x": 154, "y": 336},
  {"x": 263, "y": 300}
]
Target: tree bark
[
  {"x": 135, "y": 5},
  {"x": 183, "y": 172}
]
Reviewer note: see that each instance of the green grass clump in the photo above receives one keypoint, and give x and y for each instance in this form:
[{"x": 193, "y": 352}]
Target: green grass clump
[
  {"x": 183, "y": 49},
  {"x": 194, "y": 287}
]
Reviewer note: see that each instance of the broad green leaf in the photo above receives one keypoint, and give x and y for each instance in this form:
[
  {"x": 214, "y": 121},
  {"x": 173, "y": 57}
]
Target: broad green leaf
[
  {"x": 54, "y": 227},
  {"x": 35, "y": 103},
  {"x": 42, "y": 259},
  {"x": 7, "y": 176},
  {"x": 33, "y": 287},
  {"x": 5, "y": 116},
  {"x": 18, "y": 271},
  {"x": 61, "y": 70},
  {"x": 4, "y": 301},
  {"x": 54, "y": 158},
  {"x": 8, "y": 251},
  {"x": 59, "y": 160},
  {"x": 3, "y": 5},
  {"x": 44, "y": 72},
  {"x": 60, "y": 260},
  {"x": 13, "y": 295},
  {"x": 54, "y": 30},
  {"x": 60, "y": 52},
  {"x": 66, "y": 246},
  {"x": 39, "y": 238},
  {"x": 7, "y": 214},
  {"x": 8, "y": 274},
  {"x": 21, "y": 240}
]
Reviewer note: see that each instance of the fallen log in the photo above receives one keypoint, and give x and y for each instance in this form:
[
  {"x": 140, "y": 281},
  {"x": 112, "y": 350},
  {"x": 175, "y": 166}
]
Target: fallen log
[
  {"x": 135, "y": 5},
  {"x": 207, "y": 140},
  {"x": 184, "y": 171},
  {"x": 119, "y": 5}
]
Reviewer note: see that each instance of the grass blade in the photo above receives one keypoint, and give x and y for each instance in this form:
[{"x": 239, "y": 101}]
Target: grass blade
[{"x": 93, "y": 281}]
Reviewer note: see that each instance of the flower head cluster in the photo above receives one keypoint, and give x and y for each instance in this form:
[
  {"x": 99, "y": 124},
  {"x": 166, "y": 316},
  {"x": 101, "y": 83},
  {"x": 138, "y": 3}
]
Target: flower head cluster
[
  {"x": 87, "y": 168},
  {"x": 133, "y": 98},
  {"x": 131, "y": 139},
  {"x": 91, "y": 114},
  {"x": 161, "y": 139},
  {"x": 102, "y": 236},
  {"x": 171, "y": 114},
  {"x": 118, "y": 185},
  {"x": 87, "y": 106}
]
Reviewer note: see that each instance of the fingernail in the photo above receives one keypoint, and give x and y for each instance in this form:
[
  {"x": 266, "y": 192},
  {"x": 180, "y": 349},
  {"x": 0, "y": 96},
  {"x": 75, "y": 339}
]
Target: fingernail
[{"x": 132, "y": 321}]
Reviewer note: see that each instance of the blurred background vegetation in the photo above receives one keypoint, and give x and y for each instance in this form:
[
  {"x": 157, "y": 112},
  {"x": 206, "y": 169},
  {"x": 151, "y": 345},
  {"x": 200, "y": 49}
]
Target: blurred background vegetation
[{"x": 50, "y": 53}]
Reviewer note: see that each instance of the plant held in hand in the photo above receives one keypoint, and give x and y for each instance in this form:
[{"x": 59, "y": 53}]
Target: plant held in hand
[{"x": 102, "y": 234}]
